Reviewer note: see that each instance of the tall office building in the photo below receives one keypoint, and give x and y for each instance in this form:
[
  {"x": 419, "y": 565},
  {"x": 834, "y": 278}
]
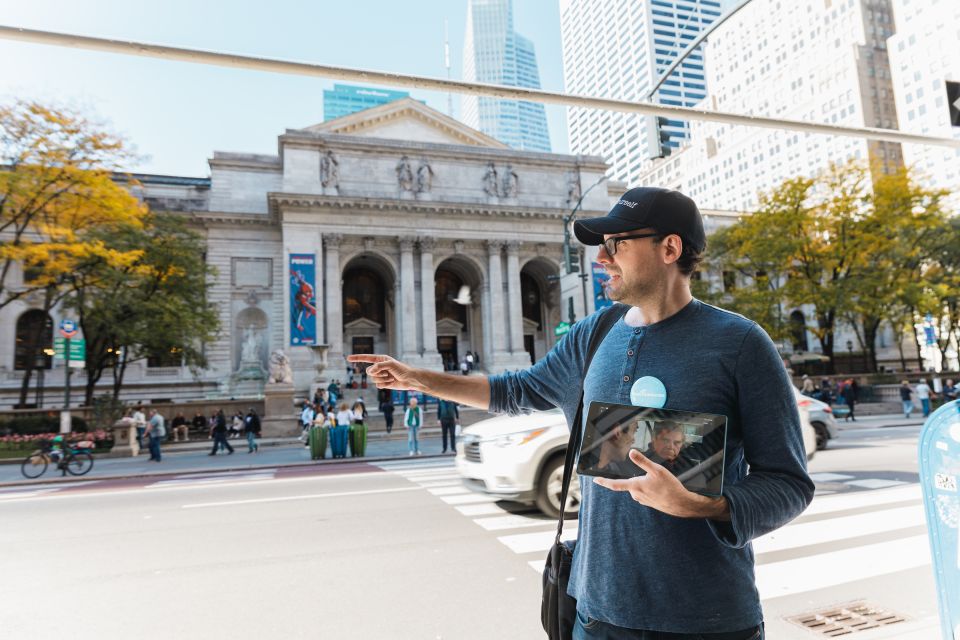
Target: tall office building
[
  {"x": 493, "y": 52},
  {"x": 814, "y": 60},
  {"x": 617, "y": 49},
  {"x": 345, "y": 99},
  {"x": 926, "y": 78}
]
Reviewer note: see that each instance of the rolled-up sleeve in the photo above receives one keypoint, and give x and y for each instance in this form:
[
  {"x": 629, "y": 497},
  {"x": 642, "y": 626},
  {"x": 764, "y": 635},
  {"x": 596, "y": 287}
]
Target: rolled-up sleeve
[
  {"x": 554, "y": 381},
  {"x": 776, "y": 488}
]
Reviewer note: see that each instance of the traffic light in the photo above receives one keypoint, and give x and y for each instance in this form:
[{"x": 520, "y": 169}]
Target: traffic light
[
  {"x": 953, "y": 102},
  {"x": 658, "y": 138}
]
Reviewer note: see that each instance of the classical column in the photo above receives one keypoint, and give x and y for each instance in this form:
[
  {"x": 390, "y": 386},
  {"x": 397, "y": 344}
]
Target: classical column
[
  {"x": 514, "y": 299},
  {"x": 496, "y": 315},
  {"x": 334, "y": 297},
  {"x": 408, "y": 300},
  {"x": 428, "y": 308}
]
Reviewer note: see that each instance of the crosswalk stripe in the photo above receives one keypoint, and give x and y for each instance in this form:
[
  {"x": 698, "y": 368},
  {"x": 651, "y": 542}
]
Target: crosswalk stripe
[
  {"x": 449, "y": 491},
  {"x": 441, "y": 483},
  {"x": 500, "y": 523},
  {"x": 539, "y": 540},
  {"x": 874, "y": 483},
  {"x": 842, "y": 528},
  {"x": 415, "y": 464},
  {"x": 846, "y": 501},
  {"x": 433, "y": 475},
  {"x": 820, "y": 571},
  {"x": 482, "y": 509},
  {"x": 471, "y": 498}
]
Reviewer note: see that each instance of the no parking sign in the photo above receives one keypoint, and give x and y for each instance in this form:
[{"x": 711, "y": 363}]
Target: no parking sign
[{"x": 939, "y": 474}]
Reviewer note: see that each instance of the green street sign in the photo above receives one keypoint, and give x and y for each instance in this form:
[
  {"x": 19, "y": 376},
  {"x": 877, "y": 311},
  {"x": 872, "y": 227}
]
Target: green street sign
[
  {"x": 561, "y": 329},
  {"x": 78, "y": 348}
]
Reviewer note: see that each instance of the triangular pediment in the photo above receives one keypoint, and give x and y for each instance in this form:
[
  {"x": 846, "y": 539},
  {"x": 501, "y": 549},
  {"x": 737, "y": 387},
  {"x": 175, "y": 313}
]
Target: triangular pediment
[
  {"x": 448, "y": 327},
  {"x": 362, "y": 325},
  {"x": 408, "y": 120}
]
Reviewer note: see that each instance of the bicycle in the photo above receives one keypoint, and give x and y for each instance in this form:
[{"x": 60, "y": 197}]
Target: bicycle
[{"x": 75, "y": 460}]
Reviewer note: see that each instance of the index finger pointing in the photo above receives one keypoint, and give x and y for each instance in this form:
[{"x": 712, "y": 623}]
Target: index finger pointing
[{"x": 366, "y": 357}]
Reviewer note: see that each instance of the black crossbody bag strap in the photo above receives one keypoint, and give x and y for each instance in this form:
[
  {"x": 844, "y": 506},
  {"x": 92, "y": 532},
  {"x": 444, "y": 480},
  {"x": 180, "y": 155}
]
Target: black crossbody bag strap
[{"x": 605, "y": 322}]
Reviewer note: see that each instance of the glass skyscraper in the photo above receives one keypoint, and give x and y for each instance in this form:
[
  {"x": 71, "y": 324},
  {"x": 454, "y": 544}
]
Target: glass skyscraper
[
  {"x": 493, "y": 52},
  {"x": 345, "y": 99},
  {"x": 618, "y": 49}
]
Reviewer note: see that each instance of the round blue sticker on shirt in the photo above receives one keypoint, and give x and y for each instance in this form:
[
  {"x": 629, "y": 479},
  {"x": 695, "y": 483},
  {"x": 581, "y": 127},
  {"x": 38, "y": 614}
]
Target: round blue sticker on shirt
[{"x": 648, "y": 392}]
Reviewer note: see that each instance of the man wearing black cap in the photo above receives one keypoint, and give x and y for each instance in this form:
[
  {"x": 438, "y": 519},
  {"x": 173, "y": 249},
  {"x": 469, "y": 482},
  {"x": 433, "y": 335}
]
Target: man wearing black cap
[{"x": 690, "y": 356}]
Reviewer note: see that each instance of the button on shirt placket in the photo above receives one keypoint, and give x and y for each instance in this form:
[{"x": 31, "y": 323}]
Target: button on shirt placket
[{"x": 630, "y": 363}]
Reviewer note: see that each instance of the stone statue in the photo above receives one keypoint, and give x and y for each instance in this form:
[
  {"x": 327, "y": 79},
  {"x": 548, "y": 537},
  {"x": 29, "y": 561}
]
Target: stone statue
[
  {"x": 250, "y": 353},
  {"x": 280, "y": 371},
  {"x": 405, "y": 174},
  {"x": 490, "y": 185},
  {"x": 573, "y": 188},
  {"x": 330, "y": 171},
  {"x": 510, "y": 183},
  {"x": 424, "y": 177}
]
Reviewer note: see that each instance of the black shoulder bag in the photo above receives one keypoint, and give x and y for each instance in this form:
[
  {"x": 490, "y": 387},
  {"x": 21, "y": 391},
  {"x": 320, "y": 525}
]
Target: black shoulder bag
[{"x": 558, "y": 610}]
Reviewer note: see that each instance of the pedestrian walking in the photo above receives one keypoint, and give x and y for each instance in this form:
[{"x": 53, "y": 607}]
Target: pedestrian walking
[
  {"x": 470, "y": 361},
  {"x": 219, "y": 434},
  {"x": 849, "y": 395},
  {"x": 251, "y": 425},
  {"x": 826, "y": 391},
  {"x": 906, "y": 398},
  {"x": 448, "y": 415},
  {"x": 924, "y": 394},
  {"x": 464, "y": 367},
  {"x": 155, "y": 431},
  {"x": 140, "y": 422},
  {"x": 180, "y": 429},
  {"x": 412, "y": 420},
  {"x": 653, "y": 559},
  {"x": 386, "y": 408}
]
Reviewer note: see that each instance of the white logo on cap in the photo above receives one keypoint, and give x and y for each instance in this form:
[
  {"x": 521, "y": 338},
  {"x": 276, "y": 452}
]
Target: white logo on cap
[{"x": 628, "y": 203}]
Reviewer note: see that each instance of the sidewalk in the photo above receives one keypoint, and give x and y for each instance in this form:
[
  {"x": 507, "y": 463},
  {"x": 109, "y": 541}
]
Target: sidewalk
[
  {"x": 881, "y": 421},
  {"x": 193, "y": 458}
]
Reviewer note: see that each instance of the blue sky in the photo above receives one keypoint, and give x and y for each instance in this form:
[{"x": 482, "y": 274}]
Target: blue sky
[{"x": 177, "y": 114}]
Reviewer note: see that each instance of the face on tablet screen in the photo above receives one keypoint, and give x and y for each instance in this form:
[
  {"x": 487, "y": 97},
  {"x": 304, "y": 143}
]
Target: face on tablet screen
[{"x": 689, "y": 444}]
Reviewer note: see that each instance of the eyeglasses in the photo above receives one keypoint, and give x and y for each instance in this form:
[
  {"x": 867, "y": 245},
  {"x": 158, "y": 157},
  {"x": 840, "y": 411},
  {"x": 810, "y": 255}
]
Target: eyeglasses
[{"x": 610, "y": 244}]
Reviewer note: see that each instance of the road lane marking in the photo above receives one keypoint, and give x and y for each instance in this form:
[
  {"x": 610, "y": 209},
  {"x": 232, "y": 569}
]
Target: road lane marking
[
  {"x": 313, "y": 496},
  {"x": 441, "y": 483},
  {"x": 836, "y": 529},
  {"x": 810, "y": 573},
  {"x": 829, "y": 477}
]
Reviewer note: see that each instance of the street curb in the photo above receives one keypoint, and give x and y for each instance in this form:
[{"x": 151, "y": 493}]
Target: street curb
[{"x": 153, "y": 474}]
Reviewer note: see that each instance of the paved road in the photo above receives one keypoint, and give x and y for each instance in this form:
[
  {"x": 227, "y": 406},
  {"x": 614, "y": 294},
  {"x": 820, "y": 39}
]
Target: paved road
[{"x": 398, "y": 549}]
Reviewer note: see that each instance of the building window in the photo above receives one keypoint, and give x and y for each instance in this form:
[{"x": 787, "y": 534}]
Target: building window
[
  {"x": 172, "y": 357},
  {"x": 34, "y": 341}
]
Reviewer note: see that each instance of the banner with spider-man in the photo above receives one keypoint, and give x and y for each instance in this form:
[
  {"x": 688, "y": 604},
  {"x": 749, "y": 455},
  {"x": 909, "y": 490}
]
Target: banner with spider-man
[{"x": 303, "y": 303}]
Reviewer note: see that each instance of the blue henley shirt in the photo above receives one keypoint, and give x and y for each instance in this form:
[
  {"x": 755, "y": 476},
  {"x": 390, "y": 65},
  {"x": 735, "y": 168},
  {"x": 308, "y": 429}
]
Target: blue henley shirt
[{"x": 639, "y": 568}]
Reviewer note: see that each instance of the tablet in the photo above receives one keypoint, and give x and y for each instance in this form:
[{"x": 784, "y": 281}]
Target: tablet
[{"x": 690, "y": 444}]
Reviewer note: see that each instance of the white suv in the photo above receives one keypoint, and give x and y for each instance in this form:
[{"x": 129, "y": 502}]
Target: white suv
[{"x": 520, "y": 458}]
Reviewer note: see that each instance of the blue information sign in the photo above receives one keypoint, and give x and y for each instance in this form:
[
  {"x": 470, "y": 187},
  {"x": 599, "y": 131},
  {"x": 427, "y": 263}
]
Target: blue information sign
[{"x": 939, "y": 452}]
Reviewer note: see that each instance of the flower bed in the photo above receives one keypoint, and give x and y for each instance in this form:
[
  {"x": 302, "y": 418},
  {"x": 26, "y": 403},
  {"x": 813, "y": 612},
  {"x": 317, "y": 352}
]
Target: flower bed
[{"x": 20, "y": 445}]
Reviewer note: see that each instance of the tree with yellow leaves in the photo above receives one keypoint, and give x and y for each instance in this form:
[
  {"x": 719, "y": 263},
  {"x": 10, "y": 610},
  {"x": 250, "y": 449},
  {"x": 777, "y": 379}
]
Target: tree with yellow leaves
[{"x": 56, "y": 188}]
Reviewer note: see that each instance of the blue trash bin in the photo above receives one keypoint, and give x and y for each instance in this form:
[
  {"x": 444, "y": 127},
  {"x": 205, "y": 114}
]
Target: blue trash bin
[{"x": 338, "y": 440}]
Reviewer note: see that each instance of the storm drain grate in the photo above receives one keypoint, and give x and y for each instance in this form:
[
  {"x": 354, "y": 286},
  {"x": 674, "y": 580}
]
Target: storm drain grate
[{"x": 844, "y": 620}]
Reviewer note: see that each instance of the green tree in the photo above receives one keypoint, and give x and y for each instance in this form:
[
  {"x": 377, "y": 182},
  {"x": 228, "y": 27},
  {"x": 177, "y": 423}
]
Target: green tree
[{"x": 153, "y": 307}]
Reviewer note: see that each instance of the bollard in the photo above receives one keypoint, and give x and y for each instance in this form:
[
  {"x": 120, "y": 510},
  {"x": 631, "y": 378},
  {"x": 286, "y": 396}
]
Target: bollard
[{"x": 939, "y": 452}]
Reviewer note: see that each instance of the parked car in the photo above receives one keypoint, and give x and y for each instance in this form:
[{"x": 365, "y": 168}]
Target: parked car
[
  {"x": 520, "y": 458},
  {"x": 822, "y": 419}
]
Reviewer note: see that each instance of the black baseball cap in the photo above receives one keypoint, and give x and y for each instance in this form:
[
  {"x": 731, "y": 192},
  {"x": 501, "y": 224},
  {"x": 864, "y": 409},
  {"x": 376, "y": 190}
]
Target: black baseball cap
[{"x": 662, "y": 209}]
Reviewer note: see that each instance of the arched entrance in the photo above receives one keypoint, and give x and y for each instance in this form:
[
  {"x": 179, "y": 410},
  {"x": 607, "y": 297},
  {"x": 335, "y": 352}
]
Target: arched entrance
[
  {"x": 368, "y": 306},
  {"x": 540, "y": 301},
  {"x": 457, "y": 281},
  {"x": 798, "y": 331},
  {"x": 34, "y": 338}
]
